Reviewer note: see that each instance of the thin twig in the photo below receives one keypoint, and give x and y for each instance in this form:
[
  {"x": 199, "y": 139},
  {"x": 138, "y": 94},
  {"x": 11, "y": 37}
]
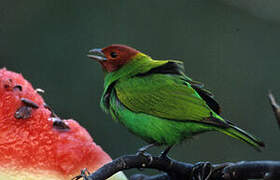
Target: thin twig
[{"x": 275, "y": 107}]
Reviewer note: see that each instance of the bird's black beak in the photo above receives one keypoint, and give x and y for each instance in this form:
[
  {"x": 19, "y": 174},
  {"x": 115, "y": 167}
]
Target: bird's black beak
[{"x": 97, "y": 55}]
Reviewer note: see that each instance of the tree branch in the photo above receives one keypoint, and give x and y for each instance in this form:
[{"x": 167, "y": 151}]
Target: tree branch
[
  {"x": 179, "y": 170},
  {"x": 173, "y": 168}
]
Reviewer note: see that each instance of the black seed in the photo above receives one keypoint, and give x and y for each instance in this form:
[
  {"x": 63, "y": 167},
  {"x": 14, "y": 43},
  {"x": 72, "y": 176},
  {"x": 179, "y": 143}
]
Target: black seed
[
  {"x": 29, "y": 103},
  {"x": 19, "y": 87},
  {"x": 23, "y": 112},
  {"x": 60, "y": 124},
  {"x": 6, "y": 86},
  {"x": 50, "y": 109},
  {"x": 47, "y": 107}
]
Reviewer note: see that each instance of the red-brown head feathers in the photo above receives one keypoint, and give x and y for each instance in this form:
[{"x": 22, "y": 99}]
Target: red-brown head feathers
[{"x": 113, "y": 57}]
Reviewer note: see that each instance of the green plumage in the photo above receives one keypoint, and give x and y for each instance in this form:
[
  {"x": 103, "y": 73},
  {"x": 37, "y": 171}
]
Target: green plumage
[{"x": 158, "y": 102}]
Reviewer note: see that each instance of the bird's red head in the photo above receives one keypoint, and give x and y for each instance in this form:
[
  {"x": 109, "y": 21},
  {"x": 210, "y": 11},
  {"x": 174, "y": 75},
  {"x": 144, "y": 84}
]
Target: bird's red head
[{"x": 113, "y": 57}]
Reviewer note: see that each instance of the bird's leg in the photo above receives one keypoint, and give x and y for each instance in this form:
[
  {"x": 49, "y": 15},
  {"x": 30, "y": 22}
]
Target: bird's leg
[
  {"x": 143, "y": 149},
  {"x": 142, "y": 152},
  {"x": 164, "y": 153}
]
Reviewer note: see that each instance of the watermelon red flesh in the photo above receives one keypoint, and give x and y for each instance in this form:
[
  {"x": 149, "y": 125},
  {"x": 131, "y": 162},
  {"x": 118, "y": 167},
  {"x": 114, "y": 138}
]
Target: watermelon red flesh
[{"x": 33, "y": 143}]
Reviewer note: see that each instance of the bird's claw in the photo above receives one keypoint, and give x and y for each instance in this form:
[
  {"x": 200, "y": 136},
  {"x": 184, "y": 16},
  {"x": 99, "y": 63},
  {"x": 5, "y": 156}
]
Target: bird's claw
[
  {"x": 84, "y": 174},
  {"x": 163, "y": 154},
  {"x": 147, "y": 156},
  {"x": 141, "y": 151},
  {"x": 202, "y": 171}
]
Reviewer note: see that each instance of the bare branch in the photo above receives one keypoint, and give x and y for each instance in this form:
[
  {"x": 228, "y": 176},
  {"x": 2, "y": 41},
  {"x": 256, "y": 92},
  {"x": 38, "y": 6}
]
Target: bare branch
[
  {"x": 275, "y": 107},
  {"x": 173, "y": 169}
]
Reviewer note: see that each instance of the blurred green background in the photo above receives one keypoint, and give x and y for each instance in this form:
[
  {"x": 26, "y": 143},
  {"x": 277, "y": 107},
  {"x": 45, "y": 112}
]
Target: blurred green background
[{"x": 234, "y": 51}]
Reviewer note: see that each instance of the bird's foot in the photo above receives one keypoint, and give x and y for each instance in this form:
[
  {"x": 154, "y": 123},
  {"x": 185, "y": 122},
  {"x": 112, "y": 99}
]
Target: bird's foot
[
  {"x": 202, "y": 171},
  {"x": 142, "y": 152},
  {"x": 146, "y": 155},
  {"x": 163, "y": 154},
  {"x": 84, "y": 174}
]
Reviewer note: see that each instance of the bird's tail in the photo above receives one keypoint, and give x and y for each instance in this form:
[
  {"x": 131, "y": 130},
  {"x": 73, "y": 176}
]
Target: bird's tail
[{"x": 242, "y": 135}]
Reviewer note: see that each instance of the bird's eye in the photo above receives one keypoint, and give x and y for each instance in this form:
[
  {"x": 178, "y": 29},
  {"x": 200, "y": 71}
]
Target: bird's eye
[{"x": 113, "y": 54}]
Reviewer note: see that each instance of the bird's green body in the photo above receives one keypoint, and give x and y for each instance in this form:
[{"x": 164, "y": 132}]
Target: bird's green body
[{"x": 156, "y": 101}]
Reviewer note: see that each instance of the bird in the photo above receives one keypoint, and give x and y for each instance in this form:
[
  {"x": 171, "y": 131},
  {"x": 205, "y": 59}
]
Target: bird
[{"x": 157, "y": 101}]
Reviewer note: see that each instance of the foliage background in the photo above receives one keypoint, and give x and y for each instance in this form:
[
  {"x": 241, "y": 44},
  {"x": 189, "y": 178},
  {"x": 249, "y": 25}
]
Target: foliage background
[{"x": 234, "y": 51}]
